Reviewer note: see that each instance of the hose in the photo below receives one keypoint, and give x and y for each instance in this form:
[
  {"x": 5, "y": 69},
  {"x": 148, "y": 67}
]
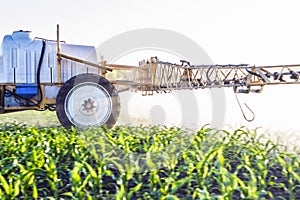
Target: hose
[
  {"x": 208, "y": 76},
  {"x": 253, "y": 73},
  {"x": 38, "y": 74}
]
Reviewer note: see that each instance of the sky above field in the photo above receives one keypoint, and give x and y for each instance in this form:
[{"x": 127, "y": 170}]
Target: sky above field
[
  {"x": 261, "y": 32},
  {"x": 232, "y": 31}
]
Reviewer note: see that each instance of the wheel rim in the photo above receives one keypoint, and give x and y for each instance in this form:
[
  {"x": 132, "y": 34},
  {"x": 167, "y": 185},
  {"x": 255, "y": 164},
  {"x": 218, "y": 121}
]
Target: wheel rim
[{"x": 88, "y": 104}]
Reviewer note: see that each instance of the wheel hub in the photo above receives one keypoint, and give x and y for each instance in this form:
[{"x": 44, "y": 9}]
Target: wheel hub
[{"x": 88, "y": 105}]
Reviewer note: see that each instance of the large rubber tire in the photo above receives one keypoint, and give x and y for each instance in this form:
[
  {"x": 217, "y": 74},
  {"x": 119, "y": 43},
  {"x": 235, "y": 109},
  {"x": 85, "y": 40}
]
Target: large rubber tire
[{"x": 87, "y": 100}]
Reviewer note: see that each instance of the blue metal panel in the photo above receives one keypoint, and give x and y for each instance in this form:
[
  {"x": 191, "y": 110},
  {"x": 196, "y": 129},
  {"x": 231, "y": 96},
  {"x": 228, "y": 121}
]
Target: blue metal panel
[{"x": 27, "y": 90}]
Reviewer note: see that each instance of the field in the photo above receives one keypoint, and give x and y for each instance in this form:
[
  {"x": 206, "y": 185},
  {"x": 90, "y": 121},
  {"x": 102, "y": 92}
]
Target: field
[
  {"x": 31, "y": 118},
  {"x": 143, "y": 163}
]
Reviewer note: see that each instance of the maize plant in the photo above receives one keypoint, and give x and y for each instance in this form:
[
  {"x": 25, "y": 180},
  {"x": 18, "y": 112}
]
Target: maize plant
[{"x": 142, "y": 162}]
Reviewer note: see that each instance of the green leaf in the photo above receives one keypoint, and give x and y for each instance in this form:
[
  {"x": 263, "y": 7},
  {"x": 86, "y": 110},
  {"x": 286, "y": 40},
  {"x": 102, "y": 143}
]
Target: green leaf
[
  {"x": 17, "y": 187},
  {"x": 129, "y": 174},
  {"x": 4, "y": 185},
  {"x": 35, "y": 193},
  {"x": 119, "y": 166},
  {"x": 28, "y": 178},
  {"x": 85, "y": 181},
  {"x": 178, "y": 184},
  {"x": 205, "y": 171},
  {"x": 241, "y": 183},
  {"x": 31, "y": 179},
  {"x": 171, "y": 197},
  {"x": 281, "y": 161},
  {"x": 120, "y": 195},
  {"x": 220, "y": 156},
  {"x": 89, "y": 197},
  {"x": 75, "y": 175},
  {"x": 108, "y": 172},
  {"x": 91, "y": 170},
  {"x": 149, "y": 161},
  {"x": 22, "y": 168},
  {"x": 68, "y": 194},
  {"x": 134, "y": 190}
]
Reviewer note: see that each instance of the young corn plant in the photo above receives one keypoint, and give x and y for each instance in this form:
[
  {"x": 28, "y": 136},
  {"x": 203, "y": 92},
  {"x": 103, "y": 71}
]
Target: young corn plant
[{"x": 143, "y": 163}]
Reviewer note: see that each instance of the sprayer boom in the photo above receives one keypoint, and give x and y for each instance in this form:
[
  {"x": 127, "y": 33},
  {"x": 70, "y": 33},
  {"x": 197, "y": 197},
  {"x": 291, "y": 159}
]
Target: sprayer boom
[{"x": 156, "y": 75}]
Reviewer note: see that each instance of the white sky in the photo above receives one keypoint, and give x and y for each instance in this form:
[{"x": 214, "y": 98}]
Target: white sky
[
  {"x": 233, "y": 31},
  {"x": 261, "y": 32}
]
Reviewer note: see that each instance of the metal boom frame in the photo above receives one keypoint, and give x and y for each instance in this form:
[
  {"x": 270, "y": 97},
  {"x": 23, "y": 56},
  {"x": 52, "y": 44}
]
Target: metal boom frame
[{"x": 156, "y": 75}]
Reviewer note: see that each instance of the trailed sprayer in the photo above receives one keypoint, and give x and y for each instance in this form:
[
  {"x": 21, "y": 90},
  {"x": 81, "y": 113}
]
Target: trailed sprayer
[{"x": 41, "y": 74}]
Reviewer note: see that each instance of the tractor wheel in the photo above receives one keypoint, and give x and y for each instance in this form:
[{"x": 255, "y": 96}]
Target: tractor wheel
[{"x": 87, "y": 100}]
